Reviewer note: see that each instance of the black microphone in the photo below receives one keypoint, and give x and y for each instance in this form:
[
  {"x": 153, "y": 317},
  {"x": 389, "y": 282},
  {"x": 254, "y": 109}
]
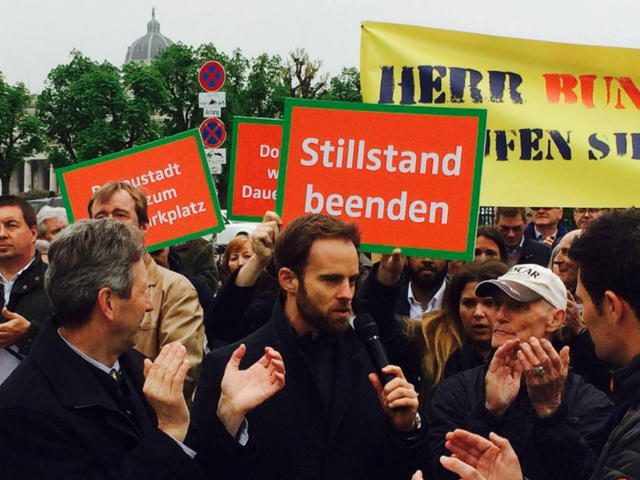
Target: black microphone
[{"x": 366, "y": 328}]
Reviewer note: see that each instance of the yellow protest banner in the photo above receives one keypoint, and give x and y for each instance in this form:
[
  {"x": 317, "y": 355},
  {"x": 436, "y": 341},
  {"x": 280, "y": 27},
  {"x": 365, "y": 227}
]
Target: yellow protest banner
[{"x": 563, "y": 120}]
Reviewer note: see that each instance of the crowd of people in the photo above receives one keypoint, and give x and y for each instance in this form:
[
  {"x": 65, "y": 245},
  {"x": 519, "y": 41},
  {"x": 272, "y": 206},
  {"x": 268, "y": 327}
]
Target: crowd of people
[{"x": 119, "y": 363}]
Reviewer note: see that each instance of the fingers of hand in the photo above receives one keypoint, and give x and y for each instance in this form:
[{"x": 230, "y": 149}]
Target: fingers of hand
[
  {"x": 270, "y": 216},
  {"x": 236, "y": 357},
  {"x": 148, "y": 364},
  {"x": 276, "y": 370},
  {"x": 159, "y": 367},
  {"x": 402, "y": 397},
  {"x": 275, "y": 360},
  {"x": 171, "y": 366},
  {"x": 460, "y": 468},
  {"x": 468, "y": 453},
  {"x": 377, "y": 384},
  {"x": 526, "y": 365},
  {"x": 554, "y": 358},
  {"x": 156, "y": 373},
  {"x": 396, "y": 256},
  {"x": 177, "y": 386},
  {"x": 564, "y": 360},
  {"x": 499, "y": 441},
  {"x": 472, "y": 439},
  {"x": 263, "y": 236},
  {"x": 535, "y": 355},
  {"x": 393, "y": 370}
]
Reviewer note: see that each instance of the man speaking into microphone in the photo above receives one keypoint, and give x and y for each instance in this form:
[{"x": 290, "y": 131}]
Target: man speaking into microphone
[{"x": 329, "y": 421}]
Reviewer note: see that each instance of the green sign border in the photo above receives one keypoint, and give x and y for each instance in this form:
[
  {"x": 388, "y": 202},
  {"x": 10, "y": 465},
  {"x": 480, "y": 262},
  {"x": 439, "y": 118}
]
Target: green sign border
[
  {"x": 479, "y": 113},
  {"x": 237, "y": 121},
  {"x": 195, "y": 133}
]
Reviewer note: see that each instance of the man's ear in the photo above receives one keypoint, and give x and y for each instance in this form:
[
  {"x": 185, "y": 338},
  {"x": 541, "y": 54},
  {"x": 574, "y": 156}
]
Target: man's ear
[
  {"x": 614, "y": 307},
  {"x": 104, "y": 302},
  {"x": 288, "y": 280},
  {"x": 144, "y": 228},
  {"x": 557, "y": 320},
  {"x": 34, "y": 233}
]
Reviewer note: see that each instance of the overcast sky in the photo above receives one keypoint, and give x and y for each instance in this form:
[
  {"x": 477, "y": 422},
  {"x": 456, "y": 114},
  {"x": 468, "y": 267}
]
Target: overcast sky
[{"x": 37, "y": 35}]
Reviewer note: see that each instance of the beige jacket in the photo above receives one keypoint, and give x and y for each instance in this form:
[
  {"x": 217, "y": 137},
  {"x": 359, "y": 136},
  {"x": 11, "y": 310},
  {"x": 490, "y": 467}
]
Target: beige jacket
[{"x": 176, "y": 316}]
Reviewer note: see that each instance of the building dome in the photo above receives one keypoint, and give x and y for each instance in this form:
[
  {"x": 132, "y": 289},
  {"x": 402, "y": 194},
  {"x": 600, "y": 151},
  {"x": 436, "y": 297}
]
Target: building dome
[{"x": 148, "y": 47}]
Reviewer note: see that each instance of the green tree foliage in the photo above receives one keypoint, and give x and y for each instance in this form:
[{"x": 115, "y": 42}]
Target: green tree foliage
[
  {"x": 91, "y": 109},
  {"x": 345, "y": 87},
  {"x": 21, "y": 134}
]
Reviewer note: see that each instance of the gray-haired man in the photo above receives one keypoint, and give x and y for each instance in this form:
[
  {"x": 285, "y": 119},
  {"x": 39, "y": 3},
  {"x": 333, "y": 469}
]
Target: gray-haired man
[
  {"x": 554, "y": 420},
  {"x": 80, "y": 407}
]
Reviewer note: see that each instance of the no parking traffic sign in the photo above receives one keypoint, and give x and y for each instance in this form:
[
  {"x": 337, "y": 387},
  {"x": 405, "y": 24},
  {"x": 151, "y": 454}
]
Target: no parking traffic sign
[
  {"x": 212, "y": 76},
  {"x": 213, "y": 132}
]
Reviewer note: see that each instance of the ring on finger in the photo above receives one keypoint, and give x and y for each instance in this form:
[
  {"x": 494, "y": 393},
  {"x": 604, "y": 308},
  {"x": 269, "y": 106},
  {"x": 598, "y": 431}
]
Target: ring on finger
[{"x": 539, "y": 371}]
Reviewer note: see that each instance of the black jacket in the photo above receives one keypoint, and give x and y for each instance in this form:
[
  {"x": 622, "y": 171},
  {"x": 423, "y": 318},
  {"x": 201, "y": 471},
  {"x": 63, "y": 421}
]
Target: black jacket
[
  {"x": 534, "y": 252},
  {"x": 57, "y": 421},
  {"x": 299, "y": 437},
  {"x": 565, "y": 445},
  {"x": 29, "y": 299},
  {"x": 237, "y": 312},
  {"x": 530, "y": 232},
  {"x": 621, "y": 455}
]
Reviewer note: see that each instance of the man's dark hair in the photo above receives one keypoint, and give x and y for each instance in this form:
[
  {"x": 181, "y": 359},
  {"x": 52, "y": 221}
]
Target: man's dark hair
[
  {"x": 108, "y": 190},
  {"x": 294, "y": 243},
  {"x": 510, "y": 212},
  {"x": 608, "y": 253},
  {"x": 28, "y": 213}
]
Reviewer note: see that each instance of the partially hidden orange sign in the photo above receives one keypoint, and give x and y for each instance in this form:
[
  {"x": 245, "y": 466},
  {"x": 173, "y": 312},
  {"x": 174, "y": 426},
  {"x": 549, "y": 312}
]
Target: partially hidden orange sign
[
  {"x": 172, "y": 173},
  {"x": 253, "y": 168},
  {"x": 408, "y": 176}
]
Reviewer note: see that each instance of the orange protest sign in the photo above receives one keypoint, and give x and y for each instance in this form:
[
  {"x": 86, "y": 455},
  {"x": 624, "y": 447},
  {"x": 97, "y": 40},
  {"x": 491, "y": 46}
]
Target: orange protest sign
[
  {"x": 408, "y": 176},
  {"x": 173, "y": 175},
  {"x": 253, "y": 168}
]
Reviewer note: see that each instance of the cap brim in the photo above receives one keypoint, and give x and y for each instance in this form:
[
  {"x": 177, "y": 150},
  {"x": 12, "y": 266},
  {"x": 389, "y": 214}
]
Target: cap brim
[{"x": 515, "y": 290}]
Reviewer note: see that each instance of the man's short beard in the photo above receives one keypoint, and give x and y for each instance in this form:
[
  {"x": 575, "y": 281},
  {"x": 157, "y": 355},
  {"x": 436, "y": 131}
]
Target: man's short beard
[
  {"x": 428, "y": 282},
  {"x": 316, "y": 318}
]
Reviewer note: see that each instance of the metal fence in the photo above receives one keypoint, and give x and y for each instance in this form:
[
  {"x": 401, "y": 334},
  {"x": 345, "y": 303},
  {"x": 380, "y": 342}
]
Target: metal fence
[{"x": 485, "y": 217}]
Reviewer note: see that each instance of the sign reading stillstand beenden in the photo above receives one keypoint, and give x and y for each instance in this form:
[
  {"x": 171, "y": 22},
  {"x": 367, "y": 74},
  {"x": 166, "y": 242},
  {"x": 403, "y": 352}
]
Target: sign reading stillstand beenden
[
  {"x": 253, "y": 168},
  {"x": 172, "y": 173},
  {"x": 408, "y": 176}
]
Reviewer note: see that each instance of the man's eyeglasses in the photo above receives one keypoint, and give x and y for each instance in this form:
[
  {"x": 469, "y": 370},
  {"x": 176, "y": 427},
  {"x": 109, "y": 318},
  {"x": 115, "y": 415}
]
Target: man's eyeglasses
[{"x": 591, "y": 211}]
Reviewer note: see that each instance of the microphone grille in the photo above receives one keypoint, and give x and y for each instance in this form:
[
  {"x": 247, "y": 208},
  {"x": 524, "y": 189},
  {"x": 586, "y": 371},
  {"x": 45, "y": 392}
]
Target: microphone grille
[{"x": 365, "y": 326}]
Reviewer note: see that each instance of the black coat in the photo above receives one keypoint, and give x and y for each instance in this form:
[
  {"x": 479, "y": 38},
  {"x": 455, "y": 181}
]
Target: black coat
[
  {"x": 402, "y": 301},
  {"x": 530, "y": 232},
  {"x": 620, "y": 456},
  {"x": 237, "y": 312},
  {"x": 563, "y": 446},
  {"x": 57, "y": 421},
  {"x": 534, "y": 252},
  {"x": 298, "y": 438},
  {"x": 29, "y": 299}
]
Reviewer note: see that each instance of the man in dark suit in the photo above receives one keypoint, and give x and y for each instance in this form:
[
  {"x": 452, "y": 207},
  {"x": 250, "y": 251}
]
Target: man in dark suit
[
  {"x": 510, "y": 222},
  {"x": 328, "y": 422},
  {"x": 23, "y": 300},
  {"x": 79, "y": 407},
  {"x": 425, "y": 290}
]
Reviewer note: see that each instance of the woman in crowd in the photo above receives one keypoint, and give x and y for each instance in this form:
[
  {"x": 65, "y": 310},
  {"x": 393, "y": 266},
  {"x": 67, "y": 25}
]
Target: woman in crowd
[
  {"x": 490, "y": 245},
  {"x": 458, "y": 337},
  {"x": 238, "y": 252}
]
